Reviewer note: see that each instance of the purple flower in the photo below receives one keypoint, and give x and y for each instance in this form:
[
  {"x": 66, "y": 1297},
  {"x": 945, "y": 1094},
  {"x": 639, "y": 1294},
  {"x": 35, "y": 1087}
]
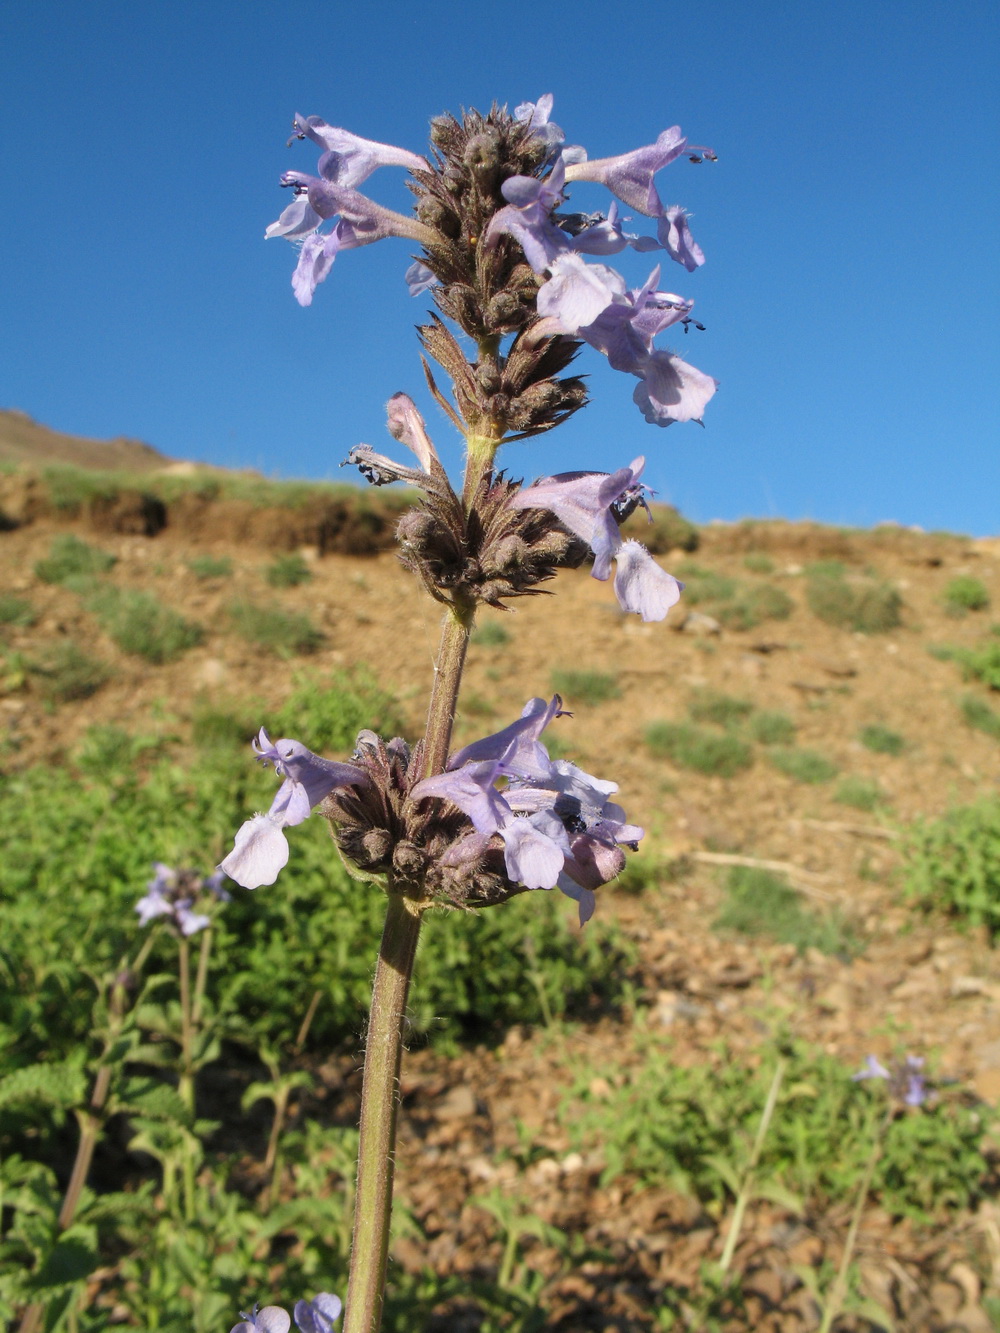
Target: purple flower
[
  {"x": 261, "y": 849},
  {"x": 556, "y": 823},
  {"x": 905, "y": 1081},
  {"x": 270, "y": 1319},
  {"x": 675, "y": 237},
  {"x": 528, "y": 217},
  {"x": 346, "y": 161},
  {"x": 319, "y": 1314},
  {"x": 630, "y": 175},
  {"x": 592, "y": 302},
  {"x": 349, "y": 159},
  {"x": 405, "y": 424},
  {"x": 419, "y": 278},
  {"x": 172, "y": 893},
  {"x": 591, "y": 505}
]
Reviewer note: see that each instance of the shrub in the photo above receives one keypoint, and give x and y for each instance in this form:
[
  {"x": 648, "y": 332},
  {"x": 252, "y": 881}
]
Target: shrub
[
  {"x": 669, "y": 530},
  {"x": 866, "y": 605},
  {"x": 758, "y": 563},
  {"x": 714, "y": 753},
  {"x": 802, "y": 765},
  {"x": 723, "y": 709},
  {"x": 327, "y": 712},
  {"x": 978, "y": 714},
  {"x": 705, "y": 585},
  {"x": 772, "y": 728},
  {"x": 588, "y": 688},
  {"x": 759, "y": 903},
  {"x": 16, "y": 611},
  {"x": 966, "y": 594},
  {"x": 64, "y": 673},
  {"x": 690, "y": 1127},
  {"x": 69, "y": 557},
  {"x": 288, "y": 571},
  {"x": 274, "y": 629},
  {"x": 490, "y": 634},
  {"x": 748, "y": 607},
  {"x": 952, "y": 864},
  {"x": 982, "y": 663},
  {"x": 881, "y": 740},
  {"x": 860, "y": 793},
  {"x": 141, "y": 624},
  {"x": 210, "y": 566}
]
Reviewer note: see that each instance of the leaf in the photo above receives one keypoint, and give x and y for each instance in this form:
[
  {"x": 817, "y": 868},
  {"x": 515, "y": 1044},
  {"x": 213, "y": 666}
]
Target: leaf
[
  {"x": 63, "y": 1085},
  {"x": 70, "y": 1260},
  {"x": 150, "y": 1097}
]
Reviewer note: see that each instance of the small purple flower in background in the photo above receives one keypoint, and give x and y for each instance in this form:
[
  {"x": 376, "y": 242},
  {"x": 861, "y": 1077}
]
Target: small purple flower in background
[
  {"x": 270, "y": 1319},
  {"x": 558, "y": 828},
  {"x": 904, "y": 1081},
  {"x": 261, "y": 848},
  {"x": 591, "y": 505},
  {"x": 315, "y": 1316},
  {"x": 172, "y": 893},
  {"x": 319, "y": 1314}
]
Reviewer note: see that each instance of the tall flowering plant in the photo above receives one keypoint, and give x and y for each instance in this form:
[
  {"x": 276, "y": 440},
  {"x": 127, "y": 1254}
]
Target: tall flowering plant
[{"x": 509, "y": 265}]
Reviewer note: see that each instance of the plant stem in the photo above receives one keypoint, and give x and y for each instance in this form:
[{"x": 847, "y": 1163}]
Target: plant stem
[
  {"x": 746, "y": 1188},
  {"x": 201, "y": 976},
  {"x": 379, "y": 1106},
  {"x": 444, "y": 694},
  {"x": 185, "y": 1085},
  {"x": 832, "y": 1307}
]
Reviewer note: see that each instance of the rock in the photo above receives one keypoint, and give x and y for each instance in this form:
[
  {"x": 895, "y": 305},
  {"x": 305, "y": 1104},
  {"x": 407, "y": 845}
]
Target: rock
[
  {"x": 458, "y": 1103},
  {"x": 946, "y": 1298}
]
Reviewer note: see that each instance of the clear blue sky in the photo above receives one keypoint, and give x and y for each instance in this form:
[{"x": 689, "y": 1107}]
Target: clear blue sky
[{"x": 850, "y": 292}]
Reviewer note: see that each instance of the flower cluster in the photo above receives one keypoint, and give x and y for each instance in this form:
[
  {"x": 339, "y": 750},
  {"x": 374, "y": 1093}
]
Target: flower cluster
[
  {"x": 316, "y": 1316},
  {"x": 556, "y": 823},
  {"x": 172, "y": 893},
  {"x": 502, "y": 256},
  {"x": 904, "y": 1081},
  {"x": 514, "y": 818}
]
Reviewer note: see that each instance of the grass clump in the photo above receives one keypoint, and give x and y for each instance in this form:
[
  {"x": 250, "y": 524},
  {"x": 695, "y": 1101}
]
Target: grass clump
[
  {"x": 759, "y": 903},
  {"x": 329, "y": 711},
  {"x": 288, "y": 571},
  {"x": 859, "y": 793},
  {"x": 723, "y": 709},
  {"x": 210, "y": 566},
  {"x": 273, "y": 629},
  {"x": 952, "y": 864},
  {"x": 865, "y": 605},
  {"x": 802, "y": 765},
  {"x": 491, "y": 634},
  {"x": 705, "y": 585},
  {"x": 966, "y": 594},
  {"x": 64, "y": 673},
  {"x": 772, "y": 728},
  {"x": 979, "y": 715},
  {"x": 758, "y": 563},
  {"x": 714, "y": 753},
  {"x": 70, "y": 558},
  {"x": 17, "y": 612},
  {"x": 881, "y": 740},
  {"x": 669, "y": 530},
  {"x": 142, "y": 625},
  {"x": 589, "y": 688}
]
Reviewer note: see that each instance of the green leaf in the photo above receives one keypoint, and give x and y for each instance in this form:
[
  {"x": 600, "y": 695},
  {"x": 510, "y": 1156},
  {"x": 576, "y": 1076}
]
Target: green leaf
[{"x": 63, "y": 1085}]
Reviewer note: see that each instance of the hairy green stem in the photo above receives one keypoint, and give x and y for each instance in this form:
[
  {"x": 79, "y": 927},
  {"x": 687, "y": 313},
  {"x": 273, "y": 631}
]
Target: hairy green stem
[
  {"x": 444, "y": 694},
  {"x": 746, "y": 1189},
  {"x": 185, "y": 1084},
  {"x": 379, "y": 1106}
]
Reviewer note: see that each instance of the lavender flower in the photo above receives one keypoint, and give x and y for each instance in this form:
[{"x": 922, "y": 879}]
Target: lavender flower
[
  {"x": 270, "y": 1319},
  {"x": 261, "y": 849},
  {"x": 592, "y": 302},
  {"x": 172, "y": 893},
  {"x": 319, "y": 1314},
  {"x": 557, "y": 826},
  {"x": 630, "y": 175},
  {"x": 591, "y": 505},
  {"x": 315, "y": 1316},
  {"x": 346, "y": 161},
  {"x": 528, "y": 217},
  {"x": 905, "y": 1081}
]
